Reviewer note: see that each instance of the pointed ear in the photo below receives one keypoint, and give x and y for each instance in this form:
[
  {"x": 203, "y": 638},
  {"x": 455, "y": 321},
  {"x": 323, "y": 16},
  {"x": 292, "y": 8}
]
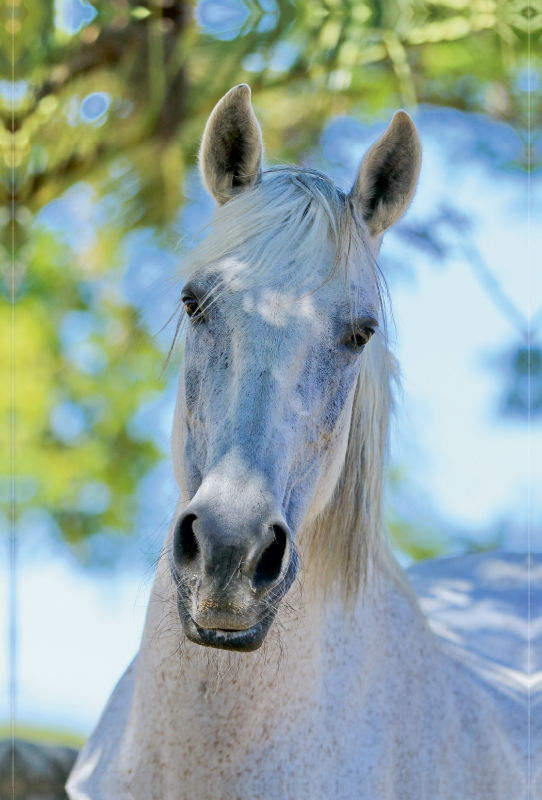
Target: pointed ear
[
  {"x": 231, "y": 150},
  {"x": 388, "y": 175}
]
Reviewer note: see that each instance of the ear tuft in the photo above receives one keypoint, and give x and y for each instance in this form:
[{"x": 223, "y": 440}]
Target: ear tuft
[
  {"x": 231, "y": 150},
  {"x": 388, "y": 175}
]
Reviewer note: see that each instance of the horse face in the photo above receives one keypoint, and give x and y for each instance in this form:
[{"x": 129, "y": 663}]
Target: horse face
[
  {"x": 269, "y": 372},
  {"x": 263, "y": 415}
]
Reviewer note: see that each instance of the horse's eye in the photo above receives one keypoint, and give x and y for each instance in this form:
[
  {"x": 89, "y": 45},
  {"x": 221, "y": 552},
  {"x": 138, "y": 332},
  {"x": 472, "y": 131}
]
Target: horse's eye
[
  {"x": 191, "y": 306},
  {"x": 360, "y": 338}
]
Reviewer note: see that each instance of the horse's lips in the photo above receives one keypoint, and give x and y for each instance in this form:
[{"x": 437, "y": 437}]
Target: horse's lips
[{"x": 242, "y": 640}]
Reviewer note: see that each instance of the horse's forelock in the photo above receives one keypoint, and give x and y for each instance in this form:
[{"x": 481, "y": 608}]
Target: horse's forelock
[{"x": 290, "y": 216}]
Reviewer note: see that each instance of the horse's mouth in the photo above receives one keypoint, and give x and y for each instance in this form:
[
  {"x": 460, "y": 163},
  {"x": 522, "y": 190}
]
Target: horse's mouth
[{"x": 243, "y": 641}]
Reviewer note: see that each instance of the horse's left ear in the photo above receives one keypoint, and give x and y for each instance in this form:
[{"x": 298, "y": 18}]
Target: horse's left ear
[
  {"x": 388, "y": 175},
  {"x": 231, "y": 150}
]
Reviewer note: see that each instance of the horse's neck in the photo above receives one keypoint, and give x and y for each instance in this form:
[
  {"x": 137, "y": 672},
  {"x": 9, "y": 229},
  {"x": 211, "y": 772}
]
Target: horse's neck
[{"x": 374, "y": 701}]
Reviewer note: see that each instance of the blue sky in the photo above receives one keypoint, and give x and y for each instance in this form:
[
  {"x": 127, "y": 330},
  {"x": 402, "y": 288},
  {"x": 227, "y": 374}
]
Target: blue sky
[{"x": 474, "y": 464}]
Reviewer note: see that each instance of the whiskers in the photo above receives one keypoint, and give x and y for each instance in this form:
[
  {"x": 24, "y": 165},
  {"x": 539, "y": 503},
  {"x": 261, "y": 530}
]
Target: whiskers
[
  {"x": 215, "y": 667},
  {"x": 222, "y": 668}
]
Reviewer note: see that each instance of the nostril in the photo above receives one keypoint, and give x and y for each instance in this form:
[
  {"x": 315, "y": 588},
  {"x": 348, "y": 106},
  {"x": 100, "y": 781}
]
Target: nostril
[
  {"x": 270, "y": 563},
  {"x": 187, "y": 547}
]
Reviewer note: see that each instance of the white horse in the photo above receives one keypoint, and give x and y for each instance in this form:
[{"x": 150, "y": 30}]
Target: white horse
[{"x": 334, "y": 685}]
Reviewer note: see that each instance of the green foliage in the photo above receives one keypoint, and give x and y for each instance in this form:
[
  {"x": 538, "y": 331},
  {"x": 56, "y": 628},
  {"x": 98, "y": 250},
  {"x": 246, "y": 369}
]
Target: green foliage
[
  {"x": 162, "y": 76},
  {"x": 84, "y": 475},
  {"x": 48, "y": 736},
  {"x": 118, "y": 101}
]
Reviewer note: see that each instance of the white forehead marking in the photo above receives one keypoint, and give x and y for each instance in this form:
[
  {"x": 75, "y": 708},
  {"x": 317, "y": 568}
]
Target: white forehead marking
[
  {"x": 248, "y": 304},
  {"x": 278, "y": 309},
  {"x": 235, "y": 272}
]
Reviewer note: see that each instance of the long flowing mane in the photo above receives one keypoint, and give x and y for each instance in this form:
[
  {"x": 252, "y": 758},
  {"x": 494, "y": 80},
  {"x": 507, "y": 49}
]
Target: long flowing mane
[{"x": 286, "y": 221}]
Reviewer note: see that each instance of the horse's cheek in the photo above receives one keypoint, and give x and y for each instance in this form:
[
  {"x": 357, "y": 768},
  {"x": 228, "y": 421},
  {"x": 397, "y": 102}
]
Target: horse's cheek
[
  {"x": 194, "y": 463},
  {"x": 191, "y": 380}
]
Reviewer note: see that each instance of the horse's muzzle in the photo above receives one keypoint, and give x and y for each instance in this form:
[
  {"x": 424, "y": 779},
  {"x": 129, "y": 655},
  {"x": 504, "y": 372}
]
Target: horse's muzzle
[{"x": 231, "y": 574}]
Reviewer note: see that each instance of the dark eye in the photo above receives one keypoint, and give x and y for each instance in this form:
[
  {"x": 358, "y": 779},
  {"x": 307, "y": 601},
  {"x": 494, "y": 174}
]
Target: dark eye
[
  {"x": 360, "y": 338},
  {"x": 191, "y": 306}
]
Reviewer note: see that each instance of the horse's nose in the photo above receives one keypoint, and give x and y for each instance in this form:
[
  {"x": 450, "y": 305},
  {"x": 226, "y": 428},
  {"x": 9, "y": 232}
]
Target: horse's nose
[{"x": 223, "y": 556}]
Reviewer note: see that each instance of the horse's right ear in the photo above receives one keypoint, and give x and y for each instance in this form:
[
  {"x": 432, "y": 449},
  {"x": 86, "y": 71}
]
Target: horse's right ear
[{"x": 231, "y": 150}]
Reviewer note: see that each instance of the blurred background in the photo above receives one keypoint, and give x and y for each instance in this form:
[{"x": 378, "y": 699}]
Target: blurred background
[{"x": 103, "y": 105}]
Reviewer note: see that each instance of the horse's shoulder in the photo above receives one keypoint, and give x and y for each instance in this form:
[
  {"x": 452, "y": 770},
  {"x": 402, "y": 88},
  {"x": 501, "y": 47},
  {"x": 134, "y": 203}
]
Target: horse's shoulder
[{"x": 486, "y": 610}]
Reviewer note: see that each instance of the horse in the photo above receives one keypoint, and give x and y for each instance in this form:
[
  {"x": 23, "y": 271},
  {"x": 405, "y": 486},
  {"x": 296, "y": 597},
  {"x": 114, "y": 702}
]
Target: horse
[{"x": 285, "y": 653}]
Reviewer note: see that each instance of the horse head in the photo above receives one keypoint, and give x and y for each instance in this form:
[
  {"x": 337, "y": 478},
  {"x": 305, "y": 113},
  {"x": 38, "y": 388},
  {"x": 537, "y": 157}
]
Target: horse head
[{"x": 282, "y": 309}]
